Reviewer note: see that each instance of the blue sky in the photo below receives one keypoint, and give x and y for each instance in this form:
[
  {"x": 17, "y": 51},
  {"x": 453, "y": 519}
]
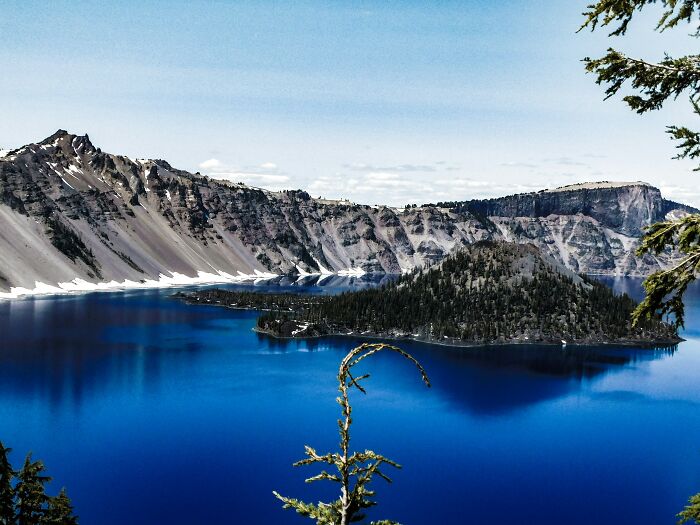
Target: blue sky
[{"x": 379, "y": 102}]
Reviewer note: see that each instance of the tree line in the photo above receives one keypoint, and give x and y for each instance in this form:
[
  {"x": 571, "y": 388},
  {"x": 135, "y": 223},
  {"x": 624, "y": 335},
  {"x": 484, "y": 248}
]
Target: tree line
[{"x": 23, "y": 497}]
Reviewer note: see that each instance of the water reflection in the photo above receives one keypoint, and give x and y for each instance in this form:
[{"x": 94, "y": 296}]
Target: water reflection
[
  {"x": 121, "y": 393},
  {"x": 71, "y": 347}
]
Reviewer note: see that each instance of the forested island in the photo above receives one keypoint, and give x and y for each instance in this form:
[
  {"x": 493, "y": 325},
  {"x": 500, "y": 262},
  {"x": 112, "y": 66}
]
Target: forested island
[{"x": 486, "y": 293}]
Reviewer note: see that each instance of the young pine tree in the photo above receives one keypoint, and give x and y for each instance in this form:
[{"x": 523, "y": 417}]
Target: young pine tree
[
  {"x": 7, "y": 494},
  {"x": 60, "y": 511},
  {"x": 31, "y": 496},
  {"x": 353, "y": 471}
]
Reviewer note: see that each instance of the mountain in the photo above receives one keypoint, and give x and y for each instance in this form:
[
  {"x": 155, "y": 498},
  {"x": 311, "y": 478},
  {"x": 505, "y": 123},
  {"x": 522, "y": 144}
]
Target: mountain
[
  {"x": 590, "y": 227},
  {"x": 73, "y": 215},
  {"x": 489, "y": 292}
]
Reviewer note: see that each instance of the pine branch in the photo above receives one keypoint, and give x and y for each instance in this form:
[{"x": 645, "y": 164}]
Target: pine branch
[
  {"x": 691, "y": 511},
  {"x": 606, "y": 12},
  {"x": 656, "y": 82},
  {"x": 664, "y": 289}
]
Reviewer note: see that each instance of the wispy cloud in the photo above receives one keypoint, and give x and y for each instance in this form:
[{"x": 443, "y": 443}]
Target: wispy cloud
[
  {"x": 398, "y": 189},
  {"x": 266, "y": 175},
  {"x": 516, "y": 164},
  {"x": 565, "y": 161},
  {"x": 680, "y": 194},
  {"x": 399, "y": 168}
]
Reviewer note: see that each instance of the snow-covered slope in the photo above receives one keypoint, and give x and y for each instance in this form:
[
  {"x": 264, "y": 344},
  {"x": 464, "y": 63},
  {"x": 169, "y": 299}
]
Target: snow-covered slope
[{"x": 70, "y": 211}]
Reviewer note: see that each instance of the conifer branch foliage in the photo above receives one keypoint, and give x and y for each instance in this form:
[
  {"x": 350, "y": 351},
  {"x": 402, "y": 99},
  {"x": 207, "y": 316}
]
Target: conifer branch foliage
[
  {"x": 651, "y": 85},
  {"x": 691, "y": 513},
  {"x": 664, "y": 289},
  {"x": 606, "y": 12},
  {"x": 654, "y": 84},
  {"x": 352, "y": 471}
]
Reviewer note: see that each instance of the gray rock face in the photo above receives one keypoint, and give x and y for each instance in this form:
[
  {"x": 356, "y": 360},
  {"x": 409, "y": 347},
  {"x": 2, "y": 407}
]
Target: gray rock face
[
  {"x": 69, "y": 210},
  {"x": 623, "y": 207}
]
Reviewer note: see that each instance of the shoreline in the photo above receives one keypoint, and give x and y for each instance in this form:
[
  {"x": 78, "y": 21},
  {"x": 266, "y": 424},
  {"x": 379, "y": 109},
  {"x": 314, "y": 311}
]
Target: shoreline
[
  {"x": 626, "y": 343},
  {"x": 80, "y": 286},
  {"x": 178, "y": 280},
  {"x": 193, "y": 299}
]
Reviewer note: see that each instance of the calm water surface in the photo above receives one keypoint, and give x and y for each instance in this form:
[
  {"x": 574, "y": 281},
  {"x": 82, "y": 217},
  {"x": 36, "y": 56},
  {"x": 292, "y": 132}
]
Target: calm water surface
[{"x": 154, "y": 412}]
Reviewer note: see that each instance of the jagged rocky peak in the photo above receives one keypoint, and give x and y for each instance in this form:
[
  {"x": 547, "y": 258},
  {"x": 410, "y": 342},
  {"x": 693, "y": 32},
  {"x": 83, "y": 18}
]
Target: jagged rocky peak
[{"x": 69, "y": 143}]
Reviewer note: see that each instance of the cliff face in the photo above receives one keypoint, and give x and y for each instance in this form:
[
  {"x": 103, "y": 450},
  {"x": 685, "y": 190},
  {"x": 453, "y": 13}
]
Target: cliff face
[
  {"x": 69, "y": 210},
  {"x": 622, "y": 207}
]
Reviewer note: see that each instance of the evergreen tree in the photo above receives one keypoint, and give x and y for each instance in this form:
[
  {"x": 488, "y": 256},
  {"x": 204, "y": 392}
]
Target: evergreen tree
[
  {"x": 60, "y": 511},
  {"x": 7, "y": 494},
  {"x": 353, "y": 471},
  {"x": 31, "y": 495},
  {"x": 652, "y": 85}
]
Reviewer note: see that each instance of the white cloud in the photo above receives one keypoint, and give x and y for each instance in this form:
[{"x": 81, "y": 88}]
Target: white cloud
[
  {"x": 516, "y": 164},
  {"x": 680, "y": 194},
  {"x": 266, "y": 175},
  {"x": 398, "y": 168},
  {"x": 264, "y": 180},
  {"x": 210, "y": 164},
  {"x": 396, "y": 189}
]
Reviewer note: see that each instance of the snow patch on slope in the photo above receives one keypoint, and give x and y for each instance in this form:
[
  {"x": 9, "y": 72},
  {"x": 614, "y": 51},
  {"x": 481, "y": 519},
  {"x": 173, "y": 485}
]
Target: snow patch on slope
[
  {"x": 175, "y": 279},
  {"x": 324, "y": 270}
]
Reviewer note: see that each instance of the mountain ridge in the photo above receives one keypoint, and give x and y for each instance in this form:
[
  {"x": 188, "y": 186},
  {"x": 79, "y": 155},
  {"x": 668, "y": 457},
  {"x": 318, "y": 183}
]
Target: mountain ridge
[{"x": 71, "y": 211}]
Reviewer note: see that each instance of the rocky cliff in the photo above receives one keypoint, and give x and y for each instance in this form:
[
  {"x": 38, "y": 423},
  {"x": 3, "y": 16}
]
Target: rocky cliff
[{"x": 69, "y": 210}]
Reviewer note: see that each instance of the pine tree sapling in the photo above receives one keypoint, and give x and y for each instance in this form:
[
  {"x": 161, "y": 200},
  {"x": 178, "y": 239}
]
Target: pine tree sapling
[
  {"x": 352, "y": 471},
  {"x": 60, "y": 511}
]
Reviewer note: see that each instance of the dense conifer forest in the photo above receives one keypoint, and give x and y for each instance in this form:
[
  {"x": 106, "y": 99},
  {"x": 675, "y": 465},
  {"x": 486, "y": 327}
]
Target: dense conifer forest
[{"x": 486, "y": 293}]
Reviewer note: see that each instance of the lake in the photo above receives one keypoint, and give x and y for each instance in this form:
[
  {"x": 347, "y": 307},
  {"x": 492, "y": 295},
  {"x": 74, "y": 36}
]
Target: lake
[{"x": 151, "y": 411}]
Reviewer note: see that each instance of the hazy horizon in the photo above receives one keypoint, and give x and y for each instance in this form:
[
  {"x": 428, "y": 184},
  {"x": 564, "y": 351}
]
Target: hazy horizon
[{"x": 389, "y": 103}]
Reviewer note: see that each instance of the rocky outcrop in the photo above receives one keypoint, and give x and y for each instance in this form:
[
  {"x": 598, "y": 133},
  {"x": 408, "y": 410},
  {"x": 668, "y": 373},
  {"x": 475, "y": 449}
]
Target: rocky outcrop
[
  {"x": 622, "y": 207},
  {"x": 68, "y": 209}
]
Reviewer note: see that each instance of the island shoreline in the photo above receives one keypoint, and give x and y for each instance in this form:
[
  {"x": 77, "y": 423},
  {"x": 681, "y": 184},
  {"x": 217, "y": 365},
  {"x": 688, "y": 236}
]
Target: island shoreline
[{"x": 627, "y": 343}]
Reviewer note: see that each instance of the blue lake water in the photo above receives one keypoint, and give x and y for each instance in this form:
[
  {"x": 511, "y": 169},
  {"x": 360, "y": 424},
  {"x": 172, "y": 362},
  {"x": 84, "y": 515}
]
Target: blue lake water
[{"x": 151, "y": 412}]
